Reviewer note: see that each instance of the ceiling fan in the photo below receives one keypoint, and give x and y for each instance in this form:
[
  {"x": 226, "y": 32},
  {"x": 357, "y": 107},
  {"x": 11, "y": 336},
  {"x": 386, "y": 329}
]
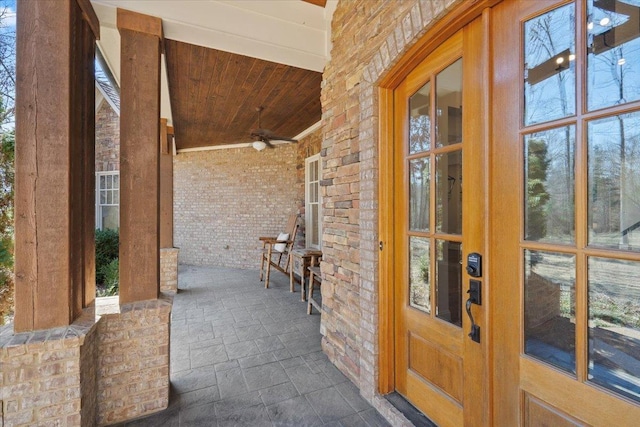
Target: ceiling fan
[{"x": 263, "y": 137}]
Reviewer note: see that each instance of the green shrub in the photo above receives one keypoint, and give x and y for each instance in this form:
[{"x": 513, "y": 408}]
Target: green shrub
[
  {"x": 107, "y": 248},
  {"x": 110, "y": 272}
]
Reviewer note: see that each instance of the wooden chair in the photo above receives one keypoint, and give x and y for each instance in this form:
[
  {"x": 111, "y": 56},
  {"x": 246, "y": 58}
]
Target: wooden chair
[
  {"x": 315, "y": 279},
  {"x": 275, "y": 250}
]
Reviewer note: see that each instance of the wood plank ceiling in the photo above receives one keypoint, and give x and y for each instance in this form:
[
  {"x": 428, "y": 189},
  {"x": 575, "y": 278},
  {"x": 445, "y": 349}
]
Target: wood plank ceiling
[{"x": 214, "y": 96}]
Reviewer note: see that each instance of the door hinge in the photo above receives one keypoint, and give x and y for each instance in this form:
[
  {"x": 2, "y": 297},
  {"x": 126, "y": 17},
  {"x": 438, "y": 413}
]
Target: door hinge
[{"x": 381, "y": 245}]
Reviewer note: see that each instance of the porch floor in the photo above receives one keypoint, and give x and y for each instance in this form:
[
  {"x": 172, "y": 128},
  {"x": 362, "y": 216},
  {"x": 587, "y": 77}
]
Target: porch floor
[{"x": 242, "y": 355}]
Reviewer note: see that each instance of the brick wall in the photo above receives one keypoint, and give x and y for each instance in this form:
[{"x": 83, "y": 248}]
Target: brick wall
[
  {"x": 225, "y": 199},
  {"x": 107, "y": 139},
  {"x": 368, "y": 38}
]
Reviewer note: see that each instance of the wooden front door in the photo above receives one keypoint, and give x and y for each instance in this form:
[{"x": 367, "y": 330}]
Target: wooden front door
[
  {"x": 439, "y": 200},
  {"x": 565, "y": 213}
]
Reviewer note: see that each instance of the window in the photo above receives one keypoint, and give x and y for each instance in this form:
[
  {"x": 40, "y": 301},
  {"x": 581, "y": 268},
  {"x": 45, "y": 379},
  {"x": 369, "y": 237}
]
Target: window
[
  {"x": 313, "y": 225},
  {"x": 108, "y": 200}
]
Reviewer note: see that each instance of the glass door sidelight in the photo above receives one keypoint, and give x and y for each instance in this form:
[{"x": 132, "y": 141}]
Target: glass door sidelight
[{"x": 571, "y": 237}]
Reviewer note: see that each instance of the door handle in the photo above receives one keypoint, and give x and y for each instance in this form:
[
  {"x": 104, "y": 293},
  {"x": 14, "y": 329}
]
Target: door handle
[{"x": 475, "y": 297}]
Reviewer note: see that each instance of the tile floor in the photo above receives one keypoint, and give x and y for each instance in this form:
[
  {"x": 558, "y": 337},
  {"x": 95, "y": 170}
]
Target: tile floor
[{"x": 242, "y": 355}]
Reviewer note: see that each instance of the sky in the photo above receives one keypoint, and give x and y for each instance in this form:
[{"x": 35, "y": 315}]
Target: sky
[
  {"x": 8, "y": 25},
  {"x": 10, "y": 20}
]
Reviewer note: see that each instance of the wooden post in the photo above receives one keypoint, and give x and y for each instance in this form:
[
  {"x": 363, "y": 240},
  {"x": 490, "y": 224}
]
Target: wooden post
[
  {"x": 53, "y": 135},
  {"x": 141, "y": 46},
  {"x": 89, "y": 197},
  {"x": 166, "y": 185}
]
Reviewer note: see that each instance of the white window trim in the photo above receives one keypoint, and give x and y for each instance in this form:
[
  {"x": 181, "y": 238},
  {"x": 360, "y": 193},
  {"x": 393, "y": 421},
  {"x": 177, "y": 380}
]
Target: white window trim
[
  {"x": 98, "y": 215},
  {"x": 307, "y": 204}
]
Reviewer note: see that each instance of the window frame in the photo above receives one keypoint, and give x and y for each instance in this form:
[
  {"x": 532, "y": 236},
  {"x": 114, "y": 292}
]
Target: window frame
[
  {"x": 98, "y": 189},
  {"x": 307, "y": 203}
]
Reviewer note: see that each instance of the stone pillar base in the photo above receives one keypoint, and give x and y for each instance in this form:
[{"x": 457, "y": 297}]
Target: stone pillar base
[
  {"x": 169, "y": 269},
  {"x": 98, "y": 371},
  {"x": 49, "y": 377},
  {"x": 133, "y": 377}
]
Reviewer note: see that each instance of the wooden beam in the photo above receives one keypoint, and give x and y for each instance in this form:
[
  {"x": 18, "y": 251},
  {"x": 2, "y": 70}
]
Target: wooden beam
[
  {"x": 54, "y": 128},
  {"x": 90, "y": 16},
  {"x": 133, "y": 21},
  {"x": 321, "y": 3},
  {"x": 139, "y": 156},
  {"x": 166, "y": 186},
  {"x": 89, "y": 199}
]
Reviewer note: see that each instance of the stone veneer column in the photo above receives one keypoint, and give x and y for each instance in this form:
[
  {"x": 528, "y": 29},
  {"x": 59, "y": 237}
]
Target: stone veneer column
[
  {"x": 351, "y": 125},
  {"x": 141, "y": 48},
  {"x": 54, "y": 129}
]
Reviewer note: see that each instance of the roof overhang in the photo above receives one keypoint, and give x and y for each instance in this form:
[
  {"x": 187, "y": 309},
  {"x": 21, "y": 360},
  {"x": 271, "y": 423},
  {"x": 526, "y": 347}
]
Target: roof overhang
[{"x": 291, "y": 32}]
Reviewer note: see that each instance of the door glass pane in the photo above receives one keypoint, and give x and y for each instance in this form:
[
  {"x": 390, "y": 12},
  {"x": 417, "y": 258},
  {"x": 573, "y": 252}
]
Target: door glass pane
[
  {"x": 420, "y": 120},
  {"x": 549, "y": 55},
  {"x": 419, "y": 194},
  {"x": 614, "y": 325},
  {"x": 549, "y": 308},
  {"x": 549, "y": 186},
  {"x": 614, "y": 182},
  {"x": 449, "y": 192},
  {"x": 613, "y": 66},
  {"x": 449, "y": 281},
  {"x": 449, "y": 104},
  {"x": 103, "y": 197},
  {"x": 419, "y": 265}
]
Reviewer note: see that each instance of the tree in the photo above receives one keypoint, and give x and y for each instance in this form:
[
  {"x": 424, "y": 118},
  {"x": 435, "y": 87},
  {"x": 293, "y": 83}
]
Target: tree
[
  {"x": 7, "y": 174},
  {"x": 7, "y": 66},
  {"x": 537, "y": 194},
  {"x": 7, "y": 156}
]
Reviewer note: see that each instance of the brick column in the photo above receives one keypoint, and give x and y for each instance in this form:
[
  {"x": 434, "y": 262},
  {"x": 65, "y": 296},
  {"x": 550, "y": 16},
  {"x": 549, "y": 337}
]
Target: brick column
[
  {"x": 54, "y": 123},
  {"x": 141, "y": 46}
]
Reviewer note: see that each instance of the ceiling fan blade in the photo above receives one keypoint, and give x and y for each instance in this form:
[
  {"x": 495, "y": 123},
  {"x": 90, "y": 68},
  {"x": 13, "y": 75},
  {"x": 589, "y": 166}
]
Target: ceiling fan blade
[{"x": 281, "y": 138}]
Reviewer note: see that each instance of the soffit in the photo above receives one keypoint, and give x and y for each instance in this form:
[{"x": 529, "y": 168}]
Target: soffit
[
  {"x": 275, "y": 49},
  {"x": 214, "y": 96}
]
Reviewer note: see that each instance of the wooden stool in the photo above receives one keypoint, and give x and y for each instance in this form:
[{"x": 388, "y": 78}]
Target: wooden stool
[
  {"x": 314, "y": 276},
  {"x": 300, "y": 260}
]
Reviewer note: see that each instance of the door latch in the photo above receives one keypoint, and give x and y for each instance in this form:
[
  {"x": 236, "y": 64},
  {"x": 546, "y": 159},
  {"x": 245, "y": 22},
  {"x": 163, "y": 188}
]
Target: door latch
[{"x": 475, "y": 297}]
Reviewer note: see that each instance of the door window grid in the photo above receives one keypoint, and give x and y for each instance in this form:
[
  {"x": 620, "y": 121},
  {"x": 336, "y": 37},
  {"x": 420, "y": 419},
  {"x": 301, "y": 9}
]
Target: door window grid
[
  {"x": 591, "y": 283},
  {"x": 435, "y": 195}
]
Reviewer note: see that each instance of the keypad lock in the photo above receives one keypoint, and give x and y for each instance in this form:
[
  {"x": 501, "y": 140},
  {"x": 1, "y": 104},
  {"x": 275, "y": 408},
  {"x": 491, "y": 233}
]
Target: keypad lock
[{"x": 474, "y": 264}]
